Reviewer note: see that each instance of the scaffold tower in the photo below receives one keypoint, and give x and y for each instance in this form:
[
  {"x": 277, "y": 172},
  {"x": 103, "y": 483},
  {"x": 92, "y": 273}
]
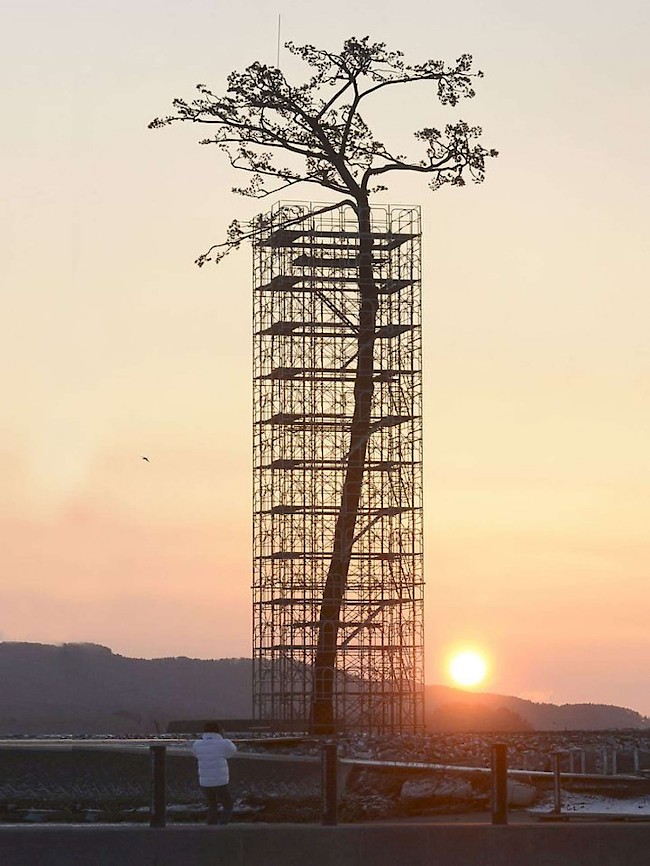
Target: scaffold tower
[{"x": 306, "y": 327}]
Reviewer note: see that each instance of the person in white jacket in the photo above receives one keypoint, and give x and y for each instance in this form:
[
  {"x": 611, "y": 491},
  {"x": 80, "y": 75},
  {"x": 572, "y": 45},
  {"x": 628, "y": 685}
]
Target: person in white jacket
[{"x": 212, "y": 752}]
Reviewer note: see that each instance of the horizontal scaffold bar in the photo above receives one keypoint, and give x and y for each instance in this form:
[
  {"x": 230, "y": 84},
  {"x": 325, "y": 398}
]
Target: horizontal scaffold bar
[
  {"x": 327, "y": 554},
  {"x": 330, "y": 329},
  {"x": 330, "y": 283},
  {"x": 316, "y": 600},
  {"x": 328, "y": 420},
  {"x": 330, "y": 374},
  {"x": 291, "y": 238},
  {"x": 374, "y": 648},
  {"x": 334, "y": 465},
  {"x": 334, "y": 509}
]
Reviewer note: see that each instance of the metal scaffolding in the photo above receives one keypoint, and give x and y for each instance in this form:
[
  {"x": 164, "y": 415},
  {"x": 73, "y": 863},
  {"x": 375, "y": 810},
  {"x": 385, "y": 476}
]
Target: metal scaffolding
[{"x": 306, "y": 323}]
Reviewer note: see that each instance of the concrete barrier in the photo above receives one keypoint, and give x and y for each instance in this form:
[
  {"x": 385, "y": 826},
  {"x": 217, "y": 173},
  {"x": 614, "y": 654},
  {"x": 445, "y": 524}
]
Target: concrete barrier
[{"x": 348, "y": 845}]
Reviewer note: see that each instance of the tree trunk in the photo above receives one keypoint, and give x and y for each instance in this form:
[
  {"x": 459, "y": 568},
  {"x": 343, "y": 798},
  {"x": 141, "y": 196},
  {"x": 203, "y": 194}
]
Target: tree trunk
[{"x": 322, "y": 704}]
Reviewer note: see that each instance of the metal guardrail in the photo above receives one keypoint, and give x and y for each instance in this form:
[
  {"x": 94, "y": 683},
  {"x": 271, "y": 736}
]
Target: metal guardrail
[{"x": 333, "y": 770}]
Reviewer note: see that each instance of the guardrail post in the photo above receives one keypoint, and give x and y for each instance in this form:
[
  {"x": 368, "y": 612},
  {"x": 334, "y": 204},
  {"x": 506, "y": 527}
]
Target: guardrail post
[
  {"x": 329, "y": 786},
  {"x": 499, "y": 784},
  {"x": 556, "y": 759},
  {"x": 158, "y": 779}
]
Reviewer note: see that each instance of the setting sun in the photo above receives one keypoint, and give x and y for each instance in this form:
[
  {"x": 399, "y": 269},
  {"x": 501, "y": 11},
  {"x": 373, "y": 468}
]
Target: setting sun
[{"x": 468, "y": 668}]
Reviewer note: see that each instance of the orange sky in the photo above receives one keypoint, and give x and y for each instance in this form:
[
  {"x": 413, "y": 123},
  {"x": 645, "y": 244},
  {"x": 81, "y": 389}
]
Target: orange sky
[{"x": 536, "y": 312}]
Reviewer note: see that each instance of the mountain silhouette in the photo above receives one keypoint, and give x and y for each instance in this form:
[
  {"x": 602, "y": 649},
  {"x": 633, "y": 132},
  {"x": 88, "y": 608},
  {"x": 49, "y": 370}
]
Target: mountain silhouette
[{"x": 82, "y": 689}]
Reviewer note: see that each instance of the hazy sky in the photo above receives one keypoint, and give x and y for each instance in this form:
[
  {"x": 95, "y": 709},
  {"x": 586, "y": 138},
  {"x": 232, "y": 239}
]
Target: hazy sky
[{"x": 537, "y": 379}]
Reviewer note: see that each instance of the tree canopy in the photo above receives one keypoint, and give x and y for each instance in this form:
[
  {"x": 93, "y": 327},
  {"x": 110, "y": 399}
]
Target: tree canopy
[{"x": 282, "y": 134}]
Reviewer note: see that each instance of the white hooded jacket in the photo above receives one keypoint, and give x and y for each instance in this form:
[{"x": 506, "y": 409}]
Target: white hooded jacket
[{"x": 212, "y": 752}]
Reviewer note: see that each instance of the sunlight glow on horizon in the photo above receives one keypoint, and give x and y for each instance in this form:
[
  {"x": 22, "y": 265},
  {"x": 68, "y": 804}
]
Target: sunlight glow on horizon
[{"x": 468, "y": 668}]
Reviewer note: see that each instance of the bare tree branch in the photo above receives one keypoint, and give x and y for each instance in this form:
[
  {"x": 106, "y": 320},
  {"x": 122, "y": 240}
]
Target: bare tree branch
[{"x": 262, "y": 113}]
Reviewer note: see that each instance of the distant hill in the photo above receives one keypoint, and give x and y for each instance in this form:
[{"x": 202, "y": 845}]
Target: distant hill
[
  {"x": 88, "y": 689},
  {"x": 453, "y": 709}
]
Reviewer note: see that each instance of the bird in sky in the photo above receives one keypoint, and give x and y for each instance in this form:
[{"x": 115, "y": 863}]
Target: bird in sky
[{"x": 146, "y": 458}]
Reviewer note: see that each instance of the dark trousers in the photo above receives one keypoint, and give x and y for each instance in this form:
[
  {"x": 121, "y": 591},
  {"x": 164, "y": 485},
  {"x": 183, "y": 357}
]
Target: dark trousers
[{"x": 218, "y": 795}]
